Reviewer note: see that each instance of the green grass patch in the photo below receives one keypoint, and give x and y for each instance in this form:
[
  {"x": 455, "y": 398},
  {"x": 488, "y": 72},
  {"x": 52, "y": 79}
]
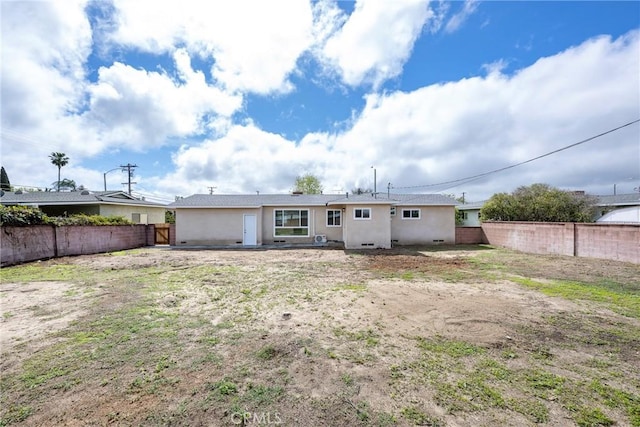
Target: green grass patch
[
  {"x": 619, "y": 298},
  {"x": 452, "y": 348}
]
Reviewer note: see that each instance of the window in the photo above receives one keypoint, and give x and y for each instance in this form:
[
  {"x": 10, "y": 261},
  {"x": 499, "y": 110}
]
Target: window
[
  {"x": 334, "y": 218},
  {"x": 291, "y": 222},
  {"x": 362, "y": 213},
  {"x": 465, "y": 215},
  {"x": 410, "y": 213},
  {"x": 393, "y": 211}
]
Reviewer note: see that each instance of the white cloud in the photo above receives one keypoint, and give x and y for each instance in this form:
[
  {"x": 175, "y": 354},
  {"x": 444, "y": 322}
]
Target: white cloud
[
  {"x": 445, "y": 132},
  {"x": 255, "y": 44},
  {"x": 140, "y": 109},
  {"x": 376, "y": 40},
  {"x": 457, "y": 20}
]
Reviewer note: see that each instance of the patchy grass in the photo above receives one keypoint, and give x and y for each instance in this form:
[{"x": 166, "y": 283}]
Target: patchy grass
[{"x": 327, "y": 338}]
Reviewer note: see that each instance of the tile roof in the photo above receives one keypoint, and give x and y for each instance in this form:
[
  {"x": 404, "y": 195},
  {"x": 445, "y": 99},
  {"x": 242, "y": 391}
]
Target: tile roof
[
  {"x": 72, "y": 198},
  {"x": 258, "y": 200}
]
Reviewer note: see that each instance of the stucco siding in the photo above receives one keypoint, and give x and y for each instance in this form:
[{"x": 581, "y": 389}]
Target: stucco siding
[
  {"x": 213, "y": 226},
  {"x": 317, "y": 225},
  {"x": 154, "y": 215},
  {"x": 367, "y": 233},
  {"x": 435, "y": 225}
]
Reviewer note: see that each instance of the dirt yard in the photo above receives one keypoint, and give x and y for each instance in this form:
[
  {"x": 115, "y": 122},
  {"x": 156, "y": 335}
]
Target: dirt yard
[{"x": 320, "y": 337}]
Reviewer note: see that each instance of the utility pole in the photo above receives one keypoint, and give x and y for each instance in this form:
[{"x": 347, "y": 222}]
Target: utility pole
[
  {"x": 463, "y": 193},
  {"x": 211, "y": 189},
  {"x": 388, "y": 190},
  {"x": 129, "y": 168},
  {"x": 375, "y": 185}
]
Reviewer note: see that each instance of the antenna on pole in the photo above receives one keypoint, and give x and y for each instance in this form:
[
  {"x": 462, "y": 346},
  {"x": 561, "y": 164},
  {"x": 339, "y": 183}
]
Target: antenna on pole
[
  {"x": 211, "y": 189},
  {"x": 129, "y": 168}
]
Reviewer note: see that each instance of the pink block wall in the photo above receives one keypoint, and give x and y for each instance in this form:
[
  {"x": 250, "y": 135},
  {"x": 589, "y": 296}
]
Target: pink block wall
[
  {"x": 469, "y": 236},
  {"x": 23, "y": 244},
  {"x": 620, "y": 242}
]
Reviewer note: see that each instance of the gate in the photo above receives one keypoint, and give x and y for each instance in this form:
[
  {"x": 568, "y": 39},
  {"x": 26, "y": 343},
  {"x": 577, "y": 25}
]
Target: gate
[{"x": 162, "y": 234}]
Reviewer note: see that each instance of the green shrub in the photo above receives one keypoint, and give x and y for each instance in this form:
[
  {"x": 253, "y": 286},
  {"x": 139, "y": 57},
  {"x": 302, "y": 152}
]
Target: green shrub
[
  {"x": 21, "y": 216},
  {"x": 24, "y": 215},
  {"x": 83, "y": 219}
]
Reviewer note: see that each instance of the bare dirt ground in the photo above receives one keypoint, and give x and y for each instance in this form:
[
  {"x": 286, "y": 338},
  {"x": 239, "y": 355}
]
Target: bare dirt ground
[{"x": 317, "y": 337}]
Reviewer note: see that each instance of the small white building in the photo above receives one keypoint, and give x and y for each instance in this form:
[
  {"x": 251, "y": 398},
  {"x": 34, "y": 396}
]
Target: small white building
[
  {"x": 470, "y": 213},
  {"x": 618, "y": 208}
]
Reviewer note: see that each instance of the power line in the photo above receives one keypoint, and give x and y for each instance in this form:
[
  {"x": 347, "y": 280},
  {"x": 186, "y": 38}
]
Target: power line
[{"x": 475, "y": 177}]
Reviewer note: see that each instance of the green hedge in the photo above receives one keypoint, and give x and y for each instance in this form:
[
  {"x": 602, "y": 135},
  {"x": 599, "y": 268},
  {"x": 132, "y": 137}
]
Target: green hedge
[{"x": 23, "y": 216}]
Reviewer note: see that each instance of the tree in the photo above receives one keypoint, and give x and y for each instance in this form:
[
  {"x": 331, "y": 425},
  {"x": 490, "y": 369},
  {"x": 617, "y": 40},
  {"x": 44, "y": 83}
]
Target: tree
[
  {"x": 66, "y": 184},
  {"x": 308, "y": 184},
  {"x": 4, "y": 180},
  {"x": 60, "y": 160},
  {"x": 360, "y": 190},
  {"x": 539, "y": 202}
]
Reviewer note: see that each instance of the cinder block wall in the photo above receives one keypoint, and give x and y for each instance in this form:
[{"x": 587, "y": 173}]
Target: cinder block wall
[
  {"x": 470, "y": 236},
  {"x": 79, "y": 240},
  {"x": 620, "y": 242},
  {"x": 23, "y": 244}
]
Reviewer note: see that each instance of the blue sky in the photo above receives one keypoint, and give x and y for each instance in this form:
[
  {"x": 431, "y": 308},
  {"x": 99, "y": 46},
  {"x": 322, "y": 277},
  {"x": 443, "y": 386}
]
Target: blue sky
[{"x": 245, "y": 96}]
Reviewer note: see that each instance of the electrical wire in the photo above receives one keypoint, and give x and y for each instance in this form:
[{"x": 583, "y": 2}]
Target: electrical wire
[{"x": 468, "y": 179}]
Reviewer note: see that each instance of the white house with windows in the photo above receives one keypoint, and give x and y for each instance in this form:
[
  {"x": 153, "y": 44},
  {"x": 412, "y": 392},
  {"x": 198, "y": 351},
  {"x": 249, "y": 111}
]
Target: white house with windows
[
  {"x": 356, "y": 221},
  {"x": 470, "y": 214}
]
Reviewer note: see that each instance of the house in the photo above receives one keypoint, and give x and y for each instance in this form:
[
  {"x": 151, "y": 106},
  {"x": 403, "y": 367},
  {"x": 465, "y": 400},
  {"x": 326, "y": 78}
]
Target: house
[
  {"x": 105, "y": 203},
  {"x": 470, "y": 213},
  {"x": 618, "y": 208},
  {"x": 356, "y": 221}
]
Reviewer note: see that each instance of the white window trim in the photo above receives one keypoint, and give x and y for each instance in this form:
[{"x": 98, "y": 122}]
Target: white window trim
[
  {"x": 327, "y": 217},
  {"x": 411, "y": 217},
  {"x": 361, "y": 218},
  {"x": 308, "y": 227}
]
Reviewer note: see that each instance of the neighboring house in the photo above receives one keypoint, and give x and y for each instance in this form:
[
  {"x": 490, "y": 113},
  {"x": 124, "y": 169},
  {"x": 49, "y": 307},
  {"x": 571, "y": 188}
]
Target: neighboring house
[
  {"x": 618, "y": 208},
  {"x": 622, "y": 215},
  {"x": 470, "y": 213},
  {"x": 357, "y": 221},
  {"x": 105, "y": 203}
]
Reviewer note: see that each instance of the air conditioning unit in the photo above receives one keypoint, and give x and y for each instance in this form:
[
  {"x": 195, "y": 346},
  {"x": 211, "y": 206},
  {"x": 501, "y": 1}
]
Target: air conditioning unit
[{"x": 320, "y": 238}]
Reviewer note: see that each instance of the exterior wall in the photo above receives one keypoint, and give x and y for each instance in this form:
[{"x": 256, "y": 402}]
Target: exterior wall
[
  {"x": 470, "y": 236},
  {"x": 154, "y": 215},
  {"x": 371, "y": 233},
  {"x": 436, "y": 225},
  {"x": 317, "y": 225},
  {"x": 630, "y": 214},
  {"x": 618, "y": 242},
  {"x": 23, "y": 244},
  {"x": 532, "y": 237},
  {"x": 214, "y": 226},
  {"x": 472, "y": 217}
]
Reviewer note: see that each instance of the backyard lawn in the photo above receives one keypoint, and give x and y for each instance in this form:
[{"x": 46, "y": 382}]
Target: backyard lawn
[{"x": 441, "y": 336}]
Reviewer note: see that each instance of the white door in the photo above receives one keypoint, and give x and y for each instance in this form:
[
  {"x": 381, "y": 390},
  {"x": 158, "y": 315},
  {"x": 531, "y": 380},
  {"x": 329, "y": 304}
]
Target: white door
[{"x": 249, "y": 237}]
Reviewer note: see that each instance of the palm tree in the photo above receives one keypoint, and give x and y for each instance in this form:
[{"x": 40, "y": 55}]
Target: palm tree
[{"x": 60, "y": 160}]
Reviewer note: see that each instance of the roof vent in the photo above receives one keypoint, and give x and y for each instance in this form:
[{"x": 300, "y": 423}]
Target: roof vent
[
  {"x": 85, "y": 192},
  {"x": 297, "y": 193},
  {"x": 19, "y": 192}
]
